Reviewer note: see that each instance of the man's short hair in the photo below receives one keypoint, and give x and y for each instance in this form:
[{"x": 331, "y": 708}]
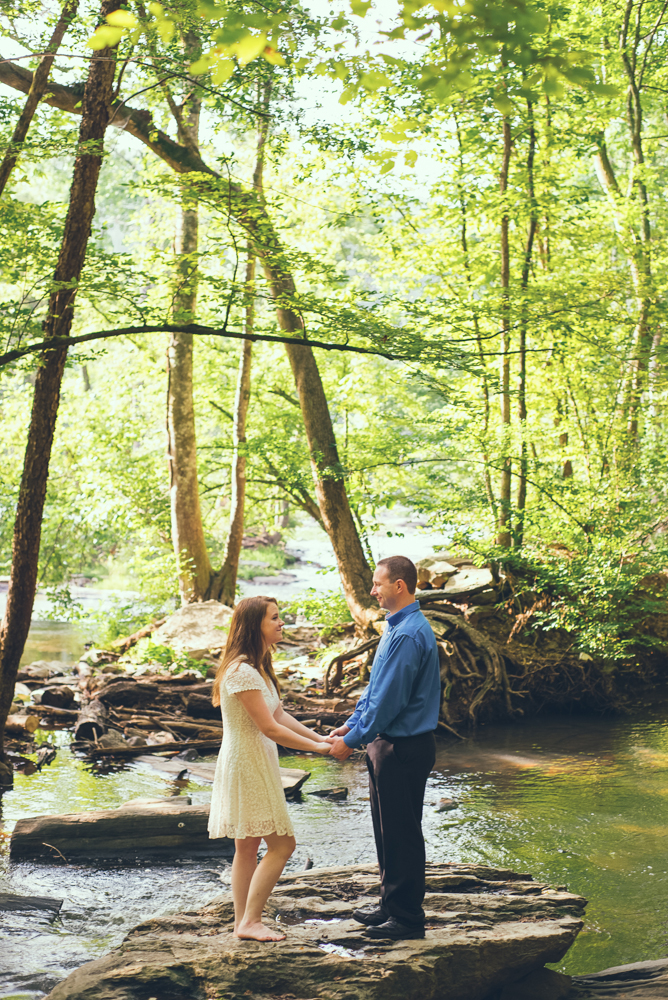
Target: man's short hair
[{"x": 400, "y": 568}]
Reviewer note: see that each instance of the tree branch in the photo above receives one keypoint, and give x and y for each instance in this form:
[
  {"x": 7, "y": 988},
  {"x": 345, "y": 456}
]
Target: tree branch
[{"x": 200, "y": 331}]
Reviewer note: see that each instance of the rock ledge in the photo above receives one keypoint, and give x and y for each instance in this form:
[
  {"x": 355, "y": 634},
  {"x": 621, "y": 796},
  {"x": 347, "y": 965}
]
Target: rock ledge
[{"x": 485, "y": 928}]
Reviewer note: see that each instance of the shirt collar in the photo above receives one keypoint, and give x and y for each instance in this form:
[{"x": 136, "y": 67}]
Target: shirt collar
[{"x": 399, "y": 616}]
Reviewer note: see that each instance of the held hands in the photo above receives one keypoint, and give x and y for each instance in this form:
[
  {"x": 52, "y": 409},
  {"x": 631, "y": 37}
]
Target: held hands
[
  {"x": 339, "y": 749},
  {"x": 341, "y": 731}
]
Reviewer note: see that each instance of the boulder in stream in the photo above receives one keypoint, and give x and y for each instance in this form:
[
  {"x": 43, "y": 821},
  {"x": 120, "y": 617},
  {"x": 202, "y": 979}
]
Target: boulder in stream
[
  {"x": 485, "y": 929},
  {"x": 195, "y": 628}
]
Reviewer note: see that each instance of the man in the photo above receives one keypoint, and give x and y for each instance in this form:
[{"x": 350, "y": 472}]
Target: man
[{"x": 396, "y": 717}]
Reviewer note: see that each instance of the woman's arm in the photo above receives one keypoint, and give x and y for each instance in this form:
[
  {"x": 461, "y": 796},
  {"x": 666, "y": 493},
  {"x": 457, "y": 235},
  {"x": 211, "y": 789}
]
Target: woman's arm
[
  {"x": 284, "y": 718},
  {"x": 254, "y": 703}
]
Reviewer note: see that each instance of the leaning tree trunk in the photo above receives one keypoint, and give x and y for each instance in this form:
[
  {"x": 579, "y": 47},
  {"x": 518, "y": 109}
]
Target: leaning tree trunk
[
  {"x": 32, "y": 492},
  {"x": 36, "y": 92}
]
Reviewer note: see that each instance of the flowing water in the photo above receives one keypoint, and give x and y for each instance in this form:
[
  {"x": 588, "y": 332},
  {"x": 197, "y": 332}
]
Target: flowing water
[{"x": 575, "y": 801}]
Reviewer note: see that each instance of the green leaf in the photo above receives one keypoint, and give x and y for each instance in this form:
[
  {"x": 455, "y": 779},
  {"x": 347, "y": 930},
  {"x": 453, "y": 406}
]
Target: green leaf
[
  {"x": 249, "y": 48},
  {"x": 360, "y": 7},
  {"x": 222, "y": 71},
  {"x": 373, "y": 80},
  {"x": 347, "y": 95},
  {"x": 105, "y": 36},
  {"x": 122, "y": 19},
  {"x": 201, "y": 65},
  {"x": 273, "y": 56},
  {"x": 411, "y": 158},
  {"x": 166, "y": 29},
  {"x": 503, "y": 104}
]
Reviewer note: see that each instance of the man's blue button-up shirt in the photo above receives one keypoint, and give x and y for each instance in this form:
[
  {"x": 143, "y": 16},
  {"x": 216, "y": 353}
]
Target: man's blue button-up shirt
[{"x": 404, "y": 693}]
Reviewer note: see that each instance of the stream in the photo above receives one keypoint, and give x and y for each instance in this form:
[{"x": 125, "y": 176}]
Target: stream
[
  {"x": 580, "y": 801},
  {"x": 576, "y": 801}
]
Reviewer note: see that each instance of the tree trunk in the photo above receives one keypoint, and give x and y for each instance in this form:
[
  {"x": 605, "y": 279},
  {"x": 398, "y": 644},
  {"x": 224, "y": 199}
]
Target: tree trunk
[
  {"x": 194, "y": 567},
  {"x": 32, "y": 492},
  {"x": 224, "y": 583},
  {"x": 487, "y": 477},
  {"x": 520, "y": 504},
  {"x": 504, "y": 523},
  {"x": 36, "y": 92},
  {"x": 328, "y": 475}
]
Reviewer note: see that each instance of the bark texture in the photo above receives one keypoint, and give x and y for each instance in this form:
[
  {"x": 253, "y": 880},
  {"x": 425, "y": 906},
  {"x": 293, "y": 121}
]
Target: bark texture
[
  {"x": 503, "y": 534},
  {"x": 187, "y": 528},
  {"x": 36, "y": 92},
  {"x": 32, "y": 491},
  {"x": 520, "y": 503},
  {"x": 192, "y": 557}
]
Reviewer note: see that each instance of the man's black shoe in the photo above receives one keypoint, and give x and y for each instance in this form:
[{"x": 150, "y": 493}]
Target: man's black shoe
[
  {"x": 372, "y": 916},
  {"x": 394, "y": 930}
]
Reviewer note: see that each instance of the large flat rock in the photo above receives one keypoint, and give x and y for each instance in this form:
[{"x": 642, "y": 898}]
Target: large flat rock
[
  {"x": 486, "y": 928},
  {"x": 195, "y": 628}
]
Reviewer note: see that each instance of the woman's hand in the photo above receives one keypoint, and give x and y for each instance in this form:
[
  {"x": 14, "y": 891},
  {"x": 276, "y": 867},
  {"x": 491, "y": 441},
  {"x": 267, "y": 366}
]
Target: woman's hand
[
  {"x": 323, "y": 748},
  {"x": 341, "y": 731}
]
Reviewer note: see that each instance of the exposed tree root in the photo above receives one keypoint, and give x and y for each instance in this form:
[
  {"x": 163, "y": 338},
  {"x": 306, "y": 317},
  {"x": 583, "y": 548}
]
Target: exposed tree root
[{"x": 492, "y": 668}]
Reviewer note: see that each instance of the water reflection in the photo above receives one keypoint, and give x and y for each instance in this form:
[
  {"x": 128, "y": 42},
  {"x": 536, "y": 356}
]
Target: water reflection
[{"x": 579, "y": 802}]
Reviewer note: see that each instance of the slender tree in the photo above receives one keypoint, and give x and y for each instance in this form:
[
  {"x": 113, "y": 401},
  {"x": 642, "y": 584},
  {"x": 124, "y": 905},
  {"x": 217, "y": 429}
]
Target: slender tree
[
  {"x": 36, "y": 93},
  {"x": 224, "y": 583},
  {"x": 32, "y": 491}
]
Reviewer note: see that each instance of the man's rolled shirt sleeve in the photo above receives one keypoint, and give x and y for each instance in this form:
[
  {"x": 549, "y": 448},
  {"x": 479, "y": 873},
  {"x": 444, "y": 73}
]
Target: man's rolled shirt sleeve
[
  {"x": 359, "y": 709},
  {"x": 387, "y": 695}
]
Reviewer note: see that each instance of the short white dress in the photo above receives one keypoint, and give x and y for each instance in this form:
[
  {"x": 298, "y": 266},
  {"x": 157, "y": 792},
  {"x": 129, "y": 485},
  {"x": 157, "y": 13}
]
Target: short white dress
[{"x": 248, "y": 798}]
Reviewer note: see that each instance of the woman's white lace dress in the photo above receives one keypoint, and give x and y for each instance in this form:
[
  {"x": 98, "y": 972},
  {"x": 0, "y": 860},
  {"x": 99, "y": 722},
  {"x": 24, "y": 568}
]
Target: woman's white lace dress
[{"x": 248, "y": 798}]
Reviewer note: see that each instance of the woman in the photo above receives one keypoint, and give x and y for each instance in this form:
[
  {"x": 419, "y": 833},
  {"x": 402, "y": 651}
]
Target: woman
[{"x": 248, "y": 801}]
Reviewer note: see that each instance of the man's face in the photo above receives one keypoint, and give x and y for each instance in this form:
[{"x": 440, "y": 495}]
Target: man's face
[{"x": 385, "y": 592}]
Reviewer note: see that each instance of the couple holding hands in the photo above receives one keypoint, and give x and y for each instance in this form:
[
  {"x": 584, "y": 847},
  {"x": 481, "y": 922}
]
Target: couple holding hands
[{"x": 395, "y": 717}]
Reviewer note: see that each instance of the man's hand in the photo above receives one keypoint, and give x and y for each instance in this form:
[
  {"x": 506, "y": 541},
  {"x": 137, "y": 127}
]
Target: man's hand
[
  {"x": 340, "y": 750},
  {"x": 341, "y": 731}
]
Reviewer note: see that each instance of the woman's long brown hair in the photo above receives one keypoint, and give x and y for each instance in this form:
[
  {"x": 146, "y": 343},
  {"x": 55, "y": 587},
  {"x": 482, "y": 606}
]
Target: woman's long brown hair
[{"x": 245, "y": 642}]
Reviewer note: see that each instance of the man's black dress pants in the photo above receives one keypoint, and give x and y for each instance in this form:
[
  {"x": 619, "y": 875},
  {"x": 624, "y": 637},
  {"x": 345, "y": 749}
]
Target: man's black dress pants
[{"x": 398, "y": 772}]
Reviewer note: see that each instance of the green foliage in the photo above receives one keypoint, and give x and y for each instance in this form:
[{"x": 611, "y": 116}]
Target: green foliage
[
  {"x": 146, "y": 652},
  {"x": 63, "y": 607},
  {"x": 325, "y": 609},
  {"x": 601, "y": 598}
]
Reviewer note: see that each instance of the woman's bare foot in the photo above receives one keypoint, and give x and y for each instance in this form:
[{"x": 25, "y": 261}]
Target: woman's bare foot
[{"x": 257, "y": 932}]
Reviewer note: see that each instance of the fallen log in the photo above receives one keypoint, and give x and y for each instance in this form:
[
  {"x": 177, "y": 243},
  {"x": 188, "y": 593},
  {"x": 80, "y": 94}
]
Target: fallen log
[
  {"x": 11, "y": 901},
  {"x": 92, "y": 721},
  {"x": 64, "y": 714},
  {"x": 97, "y": 753},
  {"x": 21, "y": 725},
  {"x": 200, "y": 706},
  {"x": 154, "y": 825},
  {"x": 292, "y": 778},
  {"x": 61, "y": 696},
  {"x": 128, "y": 693},
  {"x": 128, "y": 641}
]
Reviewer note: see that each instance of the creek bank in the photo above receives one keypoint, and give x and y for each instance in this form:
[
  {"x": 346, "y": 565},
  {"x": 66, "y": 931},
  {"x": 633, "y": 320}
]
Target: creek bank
[{"x": 486, "y": 928}]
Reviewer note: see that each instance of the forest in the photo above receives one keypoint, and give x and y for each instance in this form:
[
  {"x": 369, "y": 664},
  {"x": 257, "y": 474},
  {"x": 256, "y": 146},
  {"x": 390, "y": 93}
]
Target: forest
[{"x": 270, "y": 263}]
